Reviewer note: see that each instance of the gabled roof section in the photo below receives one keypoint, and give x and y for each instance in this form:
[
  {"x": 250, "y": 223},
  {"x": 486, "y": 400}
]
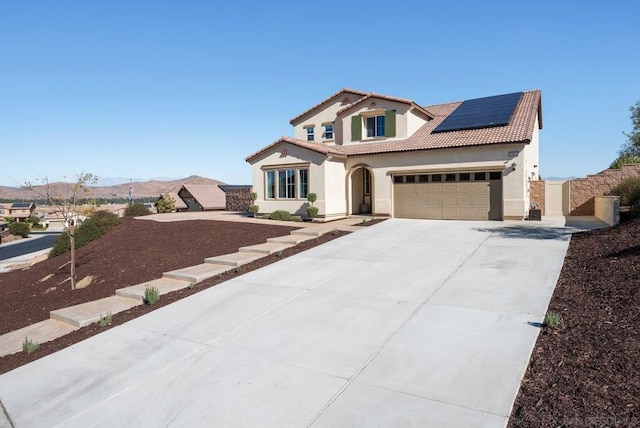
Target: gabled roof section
[
  {"x": 322, "y": 103},
  {"x": 178, "y": 203},
  {"x": 518, "y": 130},
  {"x": 373, "y": 95},
  {"x": 209, "y": 196},
  {"x": 316, "y": 147}
]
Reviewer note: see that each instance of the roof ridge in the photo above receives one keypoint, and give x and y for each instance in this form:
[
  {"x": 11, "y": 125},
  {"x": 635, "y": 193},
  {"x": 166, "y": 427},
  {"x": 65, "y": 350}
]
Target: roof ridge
[{"x": 348, "y": 90}]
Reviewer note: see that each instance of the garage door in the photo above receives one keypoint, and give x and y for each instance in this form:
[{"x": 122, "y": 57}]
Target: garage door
[{"x": 455, "y": 196}]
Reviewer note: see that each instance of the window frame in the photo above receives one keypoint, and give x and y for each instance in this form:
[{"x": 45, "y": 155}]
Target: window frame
[
  {"x": 329, "y": 133},
  {"x": 379, "y": 126},
  {"x": 310, "y": 133},
  {"x": 286, "y": 183}
]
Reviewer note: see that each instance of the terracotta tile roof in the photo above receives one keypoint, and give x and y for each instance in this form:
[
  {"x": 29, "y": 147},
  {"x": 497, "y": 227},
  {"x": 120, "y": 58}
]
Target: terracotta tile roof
[
  {"x": 316, "y": 147},
  {"x": 519, "y": 130},
  {"x": 371, "y": 95},
  {"x": 343, "y": 90},
  {"x": 210, "y": 196}
]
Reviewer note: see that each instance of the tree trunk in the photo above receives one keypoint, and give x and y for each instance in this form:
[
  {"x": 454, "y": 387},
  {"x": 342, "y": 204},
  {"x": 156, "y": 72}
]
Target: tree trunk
[{"x": 72, "y": 240}]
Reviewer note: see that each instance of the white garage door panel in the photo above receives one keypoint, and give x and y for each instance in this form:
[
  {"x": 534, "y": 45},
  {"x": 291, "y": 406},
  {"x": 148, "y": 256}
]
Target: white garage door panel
[{"x": 459, "y": 201}]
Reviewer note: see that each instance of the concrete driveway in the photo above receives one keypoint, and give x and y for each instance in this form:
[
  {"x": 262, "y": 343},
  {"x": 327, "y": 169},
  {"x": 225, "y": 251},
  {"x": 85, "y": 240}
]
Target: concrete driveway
[{"x": 405, "y": 323}]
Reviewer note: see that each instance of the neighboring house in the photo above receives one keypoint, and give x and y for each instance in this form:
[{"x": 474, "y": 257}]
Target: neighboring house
[
  {"x": 368, "y": 153},
  {"x": 4, "y": 210},
  {"x": 20, "y": 211},
  {"x": 178, "y": 202},
  {"x": 202, "y": 197}
]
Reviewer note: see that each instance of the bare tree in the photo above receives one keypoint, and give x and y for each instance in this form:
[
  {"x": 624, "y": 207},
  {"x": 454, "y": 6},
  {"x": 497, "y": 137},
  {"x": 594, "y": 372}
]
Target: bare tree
[{"x": 66, "y": 197}]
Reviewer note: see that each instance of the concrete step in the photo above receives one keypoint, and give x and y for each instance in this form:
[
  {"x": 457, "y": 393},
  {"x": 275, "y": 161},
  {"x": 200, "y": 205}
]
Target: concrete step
[
  {"x": 164, "y": 286},
  {"x": 40, "y": 332},
  {"x": 88, "y": 313},
  {"x": 197, "y": 273},
  {"x": 234, "y": 259},
  {"x": 307, "y": 232},
  {"x": 266, "y": 248},
  {"x": 291, "y": 239}
]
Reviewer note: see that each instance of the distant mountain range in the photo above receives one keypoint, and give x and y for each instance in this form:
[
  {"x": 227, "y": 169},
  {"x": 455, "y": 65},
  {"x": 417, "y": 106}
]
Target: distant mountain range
[{"x": 141, "y": 189}]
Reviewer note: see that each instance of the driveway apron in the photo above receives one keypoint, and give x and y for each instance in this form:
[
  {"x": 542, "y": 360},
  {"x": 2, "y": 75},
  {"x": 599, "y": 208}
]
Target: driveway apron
[{"x": 404, "y": 323}]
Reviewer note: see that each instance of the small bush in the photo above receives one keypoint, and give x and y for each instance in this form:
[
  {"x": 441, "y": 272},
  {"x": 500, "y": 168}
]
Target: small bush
[
  {"x": 255, "y": 209},
  {"x": 29, "y": 346},
  {"x": 629, "y": 192},
  {"x": 165, "y": 204},
  {"x": 296, "y": 218},
  {"x": 33, "y": 220},
  {"x": 553, "y": 320},
  {"x": 281, "y": 215},
  {"x": 136, "y": 209},
  {"x": 105, "y": 320},
  {"x": 192, "y": 285},
  {"x": 92, "y": 228},
  {"x": 151, "y": 296},
  {"x": 20, "y": 229},
  {"x": 312, "y": 212}
]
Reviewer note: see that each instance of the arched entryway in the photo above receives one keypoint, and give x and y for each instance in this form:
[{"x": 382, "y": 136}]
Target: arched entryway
[{"x": 361, "y": 191}]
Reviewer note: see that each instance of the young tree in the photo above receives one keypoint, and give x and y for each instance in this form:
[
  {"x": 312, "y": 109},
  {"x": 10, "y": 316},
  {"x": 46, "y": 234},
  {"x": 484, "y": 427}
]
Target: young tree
[
  {"x": 66, "y": 197},
  {"x": 166, "y": 204},
  {"x": 630, "y": 150}
]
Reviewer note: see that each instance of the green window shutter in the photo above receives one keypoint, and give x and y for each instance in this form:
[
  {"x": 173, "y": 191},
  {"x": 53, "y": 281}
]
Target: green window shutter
[
  {"x": 356, "y": 128},
  {"x": 390, "y": 123}
]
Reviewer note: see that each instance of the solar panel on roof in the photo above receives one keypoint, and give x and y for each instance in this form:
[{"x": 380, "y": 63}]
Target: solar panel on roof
[
  {"x": 21, "y": 205},
  {"x": 480, "y": 113}
]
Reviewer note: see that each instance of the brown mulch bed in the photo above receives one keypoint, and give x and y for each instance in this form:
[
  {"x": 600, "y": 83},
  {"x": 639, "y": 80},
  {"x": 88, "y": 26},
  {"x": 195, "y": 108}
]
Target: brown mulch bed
[
  {"x": 134, "y": 252},
  {"x": 587, "y": 372}
]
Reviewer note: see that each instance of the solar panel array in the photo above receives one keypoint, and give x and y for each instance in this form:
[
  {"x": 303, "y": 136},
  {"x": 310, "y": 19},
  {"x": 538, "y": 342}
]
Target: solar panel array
[
  {"x": 21, "y": 205},
  {"x": 480, "y": 113}
]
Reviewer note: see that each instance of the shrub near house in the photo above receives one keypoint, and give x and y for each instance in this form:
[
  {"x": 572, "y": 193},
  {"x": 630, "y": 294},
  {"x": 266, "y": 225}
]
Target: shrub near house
[{"x": 94, "y": 227}]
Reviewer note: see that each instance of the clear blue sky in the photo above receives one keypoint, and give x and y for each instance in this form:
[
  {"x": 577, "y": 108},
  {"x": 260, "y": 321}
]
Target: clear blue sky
[{"x": 148, "y": 89}]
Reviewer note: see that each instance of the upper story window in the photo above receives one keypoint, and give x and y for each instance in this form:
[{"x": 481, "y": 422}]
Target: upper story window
[
  {"x": 328, "y": 131},
  {"x": 310, "y": 133},
  {"x": 375, "y": 126}
]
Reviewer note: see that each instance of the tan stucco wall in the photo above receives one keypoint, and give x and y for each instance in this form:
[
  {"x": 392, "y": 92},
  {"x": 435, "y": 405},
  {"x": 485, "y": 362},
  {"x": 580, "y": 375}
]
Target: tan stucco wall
[
  {"x": 537, "y": 194},
  {"x": 582, "y": 191},
  {"x": 607, "y": 209},
  {"x": 326, "y": 179},
  {"x": 384, "y": 165},
  {"x": 403, "y": 118},
  {"x": 326, "y": 115}
]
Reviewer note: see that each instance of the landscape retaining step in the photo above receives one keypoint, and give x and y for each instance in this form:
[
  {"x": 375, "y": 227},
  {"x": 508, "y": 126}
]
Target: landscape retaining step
[
  {"x": 40, "y": 332},
  {"x": 291, "y": 239},
  {"x": 234, "y": 259},
  {"x": 164, "y": 286},
  {"x": 197, "y": 273},
  {"x": 307, "y": 232},
  {"x": 266, "y": 248},
  {"x": 88, "y": 313}
]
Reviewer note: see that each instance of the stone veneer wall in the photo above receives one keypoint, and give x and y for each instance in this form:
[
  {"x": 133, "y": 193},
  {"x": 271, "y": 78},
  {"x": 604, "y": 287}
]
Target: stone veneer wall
[
  {"x": 583, "y": 190},
  {"x": 537, "y": 194},
  {"x": 237, "y": 199}
]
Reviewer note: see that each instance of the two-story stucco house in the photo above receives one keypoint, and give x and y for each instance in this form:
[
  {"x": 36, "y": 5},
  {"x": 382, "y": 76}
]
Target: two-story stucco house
[{"x": 363, "y": 152}]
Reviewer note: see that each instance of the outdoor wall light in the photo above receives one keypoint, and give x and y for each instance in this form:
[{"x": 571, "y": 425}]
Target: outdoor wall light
[{"x": 513, "y": 166}]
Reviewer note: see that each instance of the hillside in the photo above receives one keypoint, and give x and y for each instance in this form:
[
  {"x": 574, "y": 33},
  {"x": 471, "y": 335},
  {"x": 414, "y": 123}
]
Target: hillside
[{"x": 141, "y": 189}]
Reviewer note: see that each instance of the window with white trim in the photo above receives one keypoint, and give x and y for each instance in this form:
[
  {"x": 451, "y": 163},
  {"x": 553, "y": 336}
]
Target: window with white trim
[
  {"x": 287, "y": 183},
  {"x": 310, "y": 133},
  {"x": 375, "y": 126},
  {"x": 303, "y": 174},
  {"x": 271, "y": 184},
  {"x": 328, "y": 131}
]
